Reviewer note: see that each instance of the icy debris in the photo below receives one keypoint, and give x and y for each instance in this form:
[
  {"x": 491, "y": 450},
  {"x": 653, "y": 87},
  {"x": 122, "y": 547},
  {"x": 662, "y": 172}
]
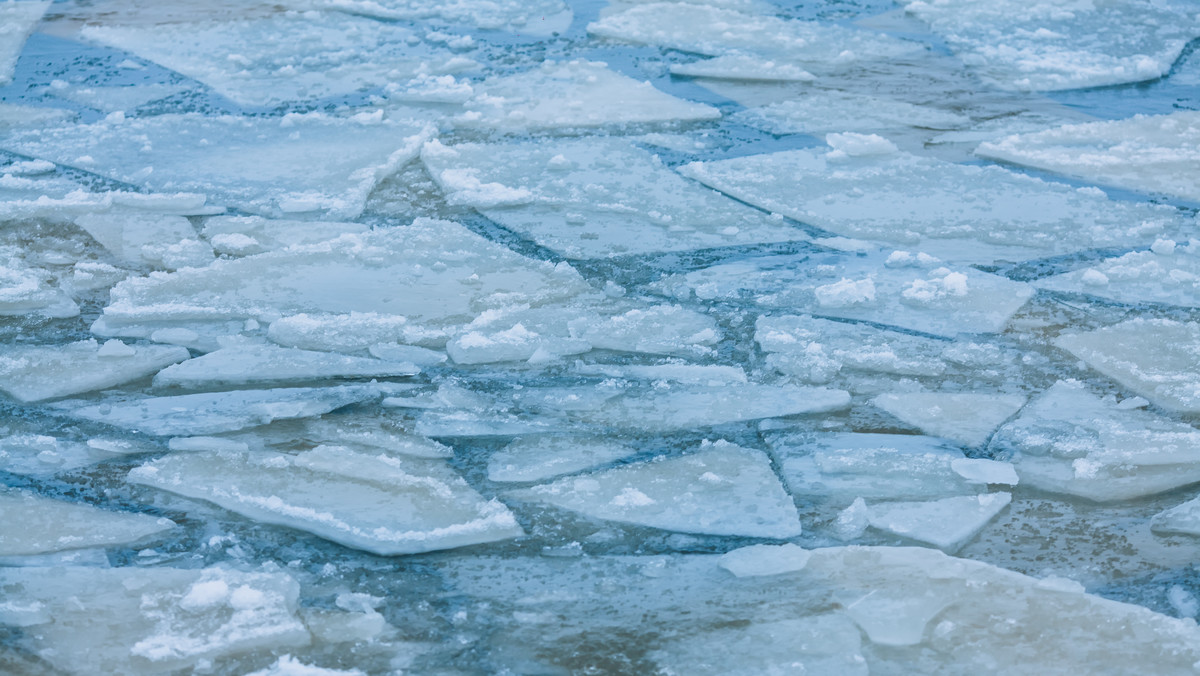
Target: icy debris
[
  {"x": 722, "y": 489},
  {"x": 528, "y": 17},
  {"x": 946, "y": 524},
  {"x": 940, "y": 301},
  {"x": 1050, "y": 45},
  {"x": 596, "y": 197},
  {"x": 37, "y": 372},
  {"x": 538, "y": 458},
  {"x": 952, "y": 211},
  {"x": 246, "y": 235},
  {"x": 966, "y": 417},
  {"x": 372, "y": 431},
  {"x": 26, "y": 290},
  {"x": 303, "y": 163},
  {"x": 1157, "y": 358},
  {"x": 37, "y": 525},
  {"x": 1070, "y": 441},
  {"x": 213, "y": 413},
  {"x": 256, "y": 364},
  {"x": 139, "y": 620},
  {"x": 819, "y": 644},
  {"x": 1156, "y": 154},
  {"x": 821, "y": 111},
  {"x": 683, "y": 406},
  {"x": 764, "y": 560},
  {"x": 290, "y": 666},
  {"x": 1167, "y": 274},
  {"x": 1183, "y": 519},
  {"x": 17, "y": 21},
  {"x": 570, "y": 95},
  {"x": 381, "y": 503},
  {"x": 140, "y": 238},
  {"x": 288, "y": 57}
]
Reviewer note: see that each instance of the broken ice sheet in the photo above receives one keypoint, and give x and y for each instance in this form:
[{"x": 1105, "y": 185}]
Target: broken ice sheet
[
  {"x": 36, "y": 525},
  {"x": 545, "y": 457},
  {"x": 1183, "y": 519},
  {"x": 683, "y": 406},
  {"x": 299, "y": 163},
  {"x": 947, "y": 523},
  {"x": 147, "y": 238},
  {"x": 381, "y": 503},
  {"x": 966, "y": 417},
  {"x": 40, "y": 455},
  {"x": 900, "y": 290},
  {"x": 1149, "y": 153},
  {"x": 1157, "y": 358},
  {"x": 528, "y": 17},
  {"x": 255, "y": 364},
  {"x": 26, "y": 290},
  {"x": 596, "y": 197},
  {"x": 288, "y": 57},
  {"x": 1070, "y": 441},
  {"x": 372, "y": 430},
  {"x": 721, "y": 489},
  {"x": 821, "y": 111},
  {"x": 820, "y": 644},
  {"x": 37, "y": 372},
  {"x": 247, "y": 235},
  {"x": 148, "y": 620},
  {"x": 1045, "y": 45},
  {"x": 17, "y": 20},
  {"x": 865, "y": 189},
  {"x": 1168, "y": 273}
]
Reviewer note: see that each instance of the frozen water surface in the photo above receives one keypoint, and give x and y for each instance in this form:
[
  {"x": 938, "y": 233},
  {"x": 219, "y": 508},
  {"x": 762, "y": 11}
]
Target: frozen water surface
[{"x": 349, "y": 337}]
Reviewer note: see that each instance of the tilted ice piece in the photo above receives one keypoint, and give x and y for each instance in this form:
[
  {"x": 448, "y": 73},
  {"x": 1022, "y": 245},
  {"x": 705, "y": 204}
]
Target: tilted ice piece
[
  {"x": 26, "y": 290},
  {"x": 373, "y": 431},
  {"x": 815, "y": 350},
  {"x": 1167, "y": 274},
  {"x": 529, "y": 17},
  {"x": 300, "y": 163},
  {"x": 594, "y": 198},
  {"x": 820, "y": 111},
  {"x": 352, "y": 332},
  {"x": 1070, "y": 441},
  {"x": 684, "y": 406},
  {"x": 256, "y": 364},
  {"x": 940, "y": 301},
  {"x": 37, "y": 372},
  {"x": 538, "y": 458},
  {"x": 722, "y": 489},
  {"x": 946, "y": 524},
  {"x": 1183, "y": 519},
  {"x": 574, "y": 94},
  {"x": 245, "y": 235},
  {"x": 17, "y": 20},
  {"x": 1045, "y": 45},
  {"x": 381, "y": 503},
  {"x": 958, "y": 212},
  {"x": 286, "y": 57},
  {"x": 966, "y": 417},
  {"x": 1157, "y": 358},
  {"x": 37, "y": 525},
  {"x": 140, "y": 238},
  {"x": 213, "y": 413},
  {"x": 140, "y": 620}
]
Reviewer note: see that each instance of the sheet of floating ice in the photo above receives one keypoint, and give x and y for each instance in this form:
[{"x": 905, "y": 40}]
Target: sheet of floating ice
[
  {"x": 1168, "y": 274},
  {"x": 293, "y": 56},
  {"x": 678, "y": 407},
  {"x": 538, "y": 458},
  {"x": 595, "y": 197},
  {"x": 255, "y": 364},
  {"x": 743, "y": 67},
  {"x": 572, "y": 95},
  {"x": 1070, "y": 441},
  {"x": 815, "y": 350},
  {"x": 213, "y": 413},
  {"x": 1183, "y": 519},
  {"x": 373, "y": 431},
  {"x": 143, "y": 238},
  {"x": 17, "y": 20},
  {"x": 762, "y": 560},
  {"x": 124, "y": 98},
  {"x": 245, "y": 235},
  {"x": 712, "y": 375},
  {"x": 300, "y": 163},
  {"x": 37, "y": 372},
  {"x": 820, "y": 644},
  {"x": 26, "y": 290},
  {"x": 843, "y": 467},
  {"x": 139, "y": 620},
  {"x": 16, "y": 116},
  {"x": 946, "y": 524},
  {"x": 865, "y": 189},
  {"x": 380, "y": 503},
  {"x": 966, "y": 417},
  {"x": 1157, "y": 358},
  {"x": 37, "y": 454},
  {"x": 529, "y": 17},
  {"x": 940, "y": 301},
  {"x": 713, "y": 31},
  {"x": 516, "y": 343},
  {"x": 430, "y": 274},
  {"x": 290, "y": 666},
  {"x": 821, "y": 111},
  {"x": 1048, "y": 45},
  {"x": 1156, "y": 154},
  {"x": 37, "y": 525},
  {"x": 722, "y": 489},
  {"x": 351, "y": 332}
]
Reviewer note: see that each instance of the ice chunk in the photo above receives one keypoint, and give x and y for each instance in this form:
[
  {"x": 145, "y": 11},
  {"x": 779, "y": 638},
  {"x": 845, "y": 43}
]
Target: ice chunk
[
  {"x": 597, "y": 197},
  {"x": 150, "y": 620},
  {"x": 820, "y": 644},
  {"x": 146, "y": 238},
  {"x": 373, "y": 431},
  {"x": 574, "y": 94},
  {"x": 38, "y": 454},
  {"x": 760, "y": 560},
  {"x": 953, "y": 211},
  {"x": 946, "y": 524},
  {"x": 1157, "y": 358},
  {"x": 529, "y": 17},
  {"x": 384, "y": 504},
  {"x": 37, "y": 372},
  {"x": 37, "y": 525},
  {"x": 290, "y": 666},
  {"x": 351, "y": 332},
  {"x": 1071, "y": 441},
  {"x": 1167, "y": 274},
  {"x": 213, "y": 413},
  {"x": 822, "y": 111},
  {"x": 966, "y": 417},
  {"x": 722, "y": 489},
  {"x": 244, "y": 235},
  {"x": 26, "y": 290},
  {"x": 736, "y": 66},
  {"x": 683, "y": 406},
  {"x": 1153, "y": 154},
  {"x": 515, "y": 343},
  {"x": 815, "y": 350},
  {"x": 302, "y": 163},
  {"x": 17, "y": 20},
  {"x": 658, "y": 329},
  {"x": 287, "y": 57},
  {"x": 1184, "y": 519},
  {"x": 538, "y": 458},
  {"x": 1048, "y": 45},
  {"x": 256, "y": 364},
  {"x": 120, "y": 98},
  {"x": 711, "y": 375}
]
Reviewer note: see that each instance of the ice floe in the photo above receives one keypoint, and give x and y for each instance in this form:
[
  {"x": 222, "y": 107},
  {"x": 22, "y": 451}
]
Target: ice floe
[
  {"x": 17, "y": 21},
  {"x": 256, "y": 363},
  {"x": 28, "y": 290},
  {"x": 1183, "y": 519},
  {"x": 966, "y": 417},
  {"x": 538, "y": 458},
  {"x": 37, "y": 372},
  {"x": 36, "y": 525},
  {"x": 683, "y": 406},
  {"x": 246, "y": 235},
  {"x": 142, "y": 238},
  {"x": 946, "y": 524},
  {"x": 1168, "y": 273},
  {"x": 821, "y": 111},
  {"x": 530, "y": 17},
  {"x": 378, "y": 502}
]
